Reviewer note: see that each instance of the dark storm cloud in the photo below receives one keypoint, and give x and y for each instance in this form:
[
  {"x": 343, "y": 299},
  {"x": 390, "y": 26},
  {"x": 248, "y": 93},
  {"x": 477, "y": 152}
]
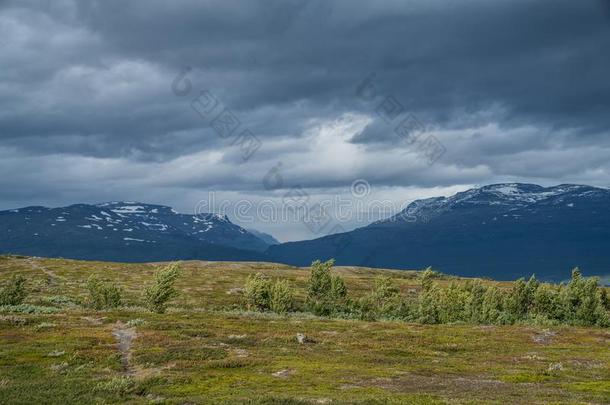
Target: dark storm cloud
[
  {"x": 542, "y": 60},
  {"x": 504, "y": 85}
]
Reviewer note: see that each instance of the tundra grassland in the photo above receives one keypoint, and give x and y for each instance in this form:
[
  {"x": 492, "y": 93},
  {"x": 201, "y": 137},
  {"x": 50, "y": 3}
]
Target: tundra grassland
[{"x": 207, "y": 349}]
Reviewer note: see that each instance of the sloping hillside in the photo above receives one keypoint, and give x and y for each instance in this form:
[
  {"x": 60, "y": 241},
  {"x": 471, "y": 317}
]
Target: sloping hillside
[{"x": 207, "y": 349}]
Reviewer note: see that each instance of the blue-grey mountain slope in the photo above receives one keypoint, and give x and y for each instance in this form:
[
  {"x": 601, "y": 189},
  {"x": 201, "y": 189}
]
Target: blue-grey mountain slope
[
  {"x": 265, "y": 237},
  {"x": 501, "y": 231},
  {"x": 124, "y": 231}
]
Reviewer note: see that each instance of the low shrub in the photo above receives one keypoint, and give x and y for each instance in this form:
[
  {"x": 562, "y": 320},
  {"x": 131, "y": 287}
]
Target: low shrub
[
  {"x": 120, "y": 386},
  {"x": 581, "y": 302},
  {"x": 384, "y": 302},
  {"x": 157, "y": 295},
  {"x": 61, "y": 301},
  {"x": 363, "y": 309},
  {"x": 257, "y": 292},
  {"x": 14, "y": 292},
  {"x": 326, "y": 293},
  {"x": 102, "y": 295},
  {"x": 281, "y": 297},
  {"x": 263, "y": 294},
  {"x": 28, "y": 309}
]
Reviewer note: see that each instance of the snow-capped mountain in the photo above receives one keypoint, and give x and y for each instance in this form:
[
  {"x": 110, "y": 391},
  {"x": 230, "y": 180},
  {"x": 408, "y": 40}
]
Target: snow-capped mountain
[
  {"x": 499, "y": 197},
  {"x": 502, "y": 231},
  {"x": 124, "y": 231}
]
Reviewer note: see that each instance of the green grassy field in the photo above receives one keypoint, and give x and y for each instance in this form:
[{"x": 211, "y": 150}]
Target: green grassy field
[{"x": 206, "y": 349}]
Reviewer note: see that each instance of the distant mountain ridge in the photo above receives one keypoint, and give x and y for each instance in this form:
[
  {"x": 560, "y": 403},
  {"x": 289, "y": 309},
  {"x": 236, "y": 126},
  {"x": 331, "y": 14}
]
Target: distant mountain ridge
[
  {"x": 268, "y": 239},
  {"x": 502, "y": 231},
  {"x": 511, "y": 195},
  {"x": 125, "y": 231}
]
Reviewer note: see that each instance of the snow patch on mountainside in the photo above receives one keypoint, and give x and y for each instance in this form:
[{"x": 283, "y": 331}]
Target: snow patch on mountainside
[
  {"x": 506, "y": 195},
  {"x": 142, "y": 221}
]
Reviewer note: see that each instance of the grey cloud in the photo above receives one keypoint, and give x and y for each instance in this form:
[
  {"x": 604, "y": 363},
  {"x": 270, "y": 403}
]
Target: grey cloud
[{"x": 512, "y": 88}]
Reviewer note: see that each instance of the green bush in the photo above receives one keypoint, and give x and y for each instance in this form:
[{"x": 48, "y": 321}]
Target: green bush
[
  {"x": 453, "y": 301},
  {"x": 430, "y": 303},
  {"x": 385, "y": 298},
  {"x": 547, "y": 302},
  {"x": 14, "y": 292},
  {"x": 257, "y": 292},
  {"x": 385, "y": 290},
  {"x": 473, "y": 311},
  {"x": 429, "y": 274},
  {"x": 281, "y": 297},
  {"x": 519, "y": 300},
  {"x": 604, "y": 298},
  {"x": 102, "y": 295},
  {"x": 384, "y": 302},
  {"x": 364, "y": 309},
  {"x": 492, "y": 310},
  {"x": 326, "y": 294},
  {"x": 261, "y": 294},
  {"x": 582, "y": 301},
  {"x": 338, "y": 289},
  {"x": 408, "y": 309},
  {"x": 320, "y": 280},
  {"x": 157, "y": 295}
]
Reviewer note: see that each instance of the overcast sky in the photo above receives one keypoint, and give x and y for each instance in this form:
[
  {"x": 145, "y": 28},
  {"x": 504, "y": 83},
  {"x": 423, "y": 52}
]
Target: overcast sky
[{"x": 114, "y": 100}]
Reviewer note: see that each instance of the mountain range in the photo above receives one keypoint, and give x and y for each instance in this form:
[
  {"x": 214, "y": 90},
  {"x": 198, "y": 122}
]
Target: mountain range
[
  {"x": 125, "y": 231},
  {"x": 502, "y": 231}
]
